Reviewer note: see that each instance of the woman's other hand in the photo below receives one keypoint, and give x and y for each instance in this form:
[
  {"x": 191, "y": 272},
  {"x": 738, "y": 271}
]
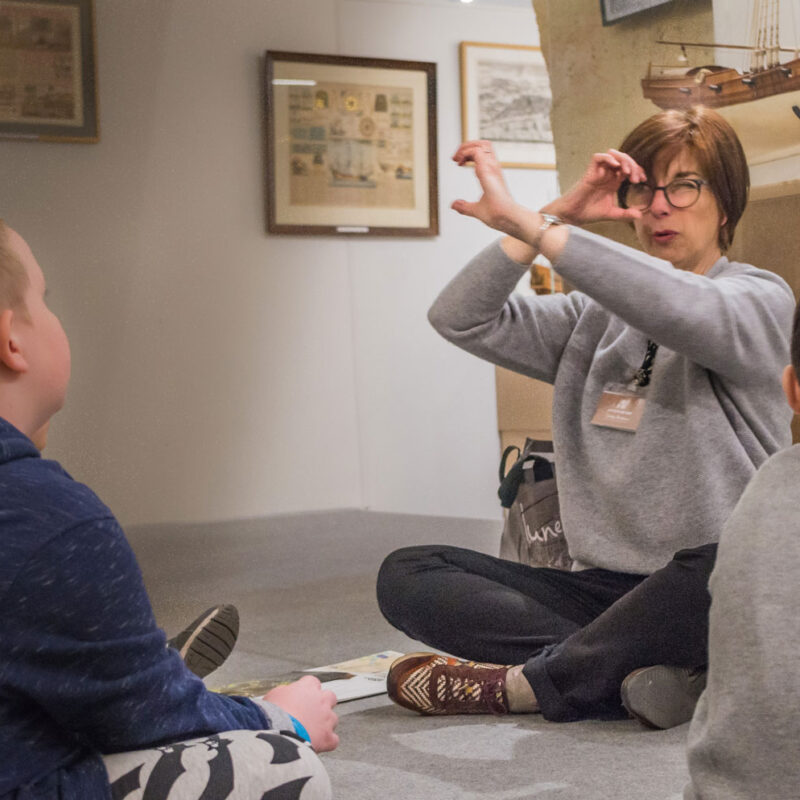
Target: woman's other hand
[
  {"x": 307, "y": 702},
  {"x": 593, "y": 198}
]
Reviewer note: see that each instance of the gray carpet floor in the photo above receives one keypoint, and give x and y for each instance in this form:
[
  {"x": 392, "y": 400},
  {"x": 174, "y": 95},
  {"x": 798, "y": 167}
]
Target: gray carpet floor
[{"x": 305, "y": 588}]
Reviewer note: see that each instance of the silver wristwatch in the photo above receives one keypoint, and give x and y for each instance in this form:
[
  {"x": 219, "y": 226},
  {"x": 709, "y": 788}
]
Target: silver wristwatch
[{"x": 548, "y": 221}]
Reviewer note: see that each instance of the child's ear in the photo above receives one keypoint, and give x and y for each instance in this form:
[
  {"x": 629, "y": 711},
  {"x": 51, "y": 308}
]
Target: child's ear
[
  {"x": 10, "y": 353},
  {"x": 791, "y": 388}
]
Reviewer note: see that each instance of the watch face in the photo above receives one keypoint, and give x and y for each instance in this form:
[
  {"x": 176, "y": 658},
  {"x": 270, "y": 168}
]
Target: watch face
[{"x": 549, "y": 220}]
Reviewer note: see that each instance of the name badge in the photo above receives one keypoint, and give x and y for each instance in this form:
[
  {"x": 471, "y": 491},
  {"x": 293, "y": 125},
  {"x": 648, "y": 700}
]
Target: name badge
[{"x": 620, "y": 407}]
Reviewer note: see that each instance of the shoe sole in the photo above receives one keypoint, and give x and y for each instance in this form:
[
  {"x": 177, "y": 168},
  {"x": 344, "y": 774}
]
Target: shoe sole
[
  {"x": 658, "y": 697},
  {"x": 212, "y": 641}
]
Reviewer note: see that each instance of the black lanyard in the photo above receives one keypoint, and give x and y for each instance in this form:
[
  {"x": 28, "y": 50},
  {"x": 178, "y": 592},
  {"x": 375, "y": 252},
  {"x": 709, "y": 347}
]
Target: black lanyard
[{"x": 642, "y": 375}]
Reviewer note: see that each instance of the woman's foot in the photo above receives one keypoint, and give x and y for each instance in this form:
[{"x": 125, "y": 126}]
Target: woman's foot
[
  {"x": 429, "y": 683},
  {"x": 663, "y": 696}
]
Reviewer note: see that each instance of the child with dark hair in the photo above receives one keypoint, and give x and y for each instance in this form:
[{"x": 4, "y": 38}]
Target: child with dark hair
[{"x": 743, "y": 737}]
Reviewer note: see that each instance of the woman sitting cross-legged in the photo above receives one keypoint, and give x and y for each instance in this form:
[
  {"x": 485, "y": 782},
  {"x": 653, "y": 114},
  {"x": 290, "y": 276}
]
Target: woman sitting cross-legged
[{"x": 665, "y": 366}]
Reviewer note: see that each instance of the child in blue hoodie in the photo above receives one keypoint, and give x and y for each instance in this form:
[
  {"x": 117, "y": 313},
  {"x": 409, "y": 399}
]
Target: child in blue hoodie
[{"x": 92, "y": 702}]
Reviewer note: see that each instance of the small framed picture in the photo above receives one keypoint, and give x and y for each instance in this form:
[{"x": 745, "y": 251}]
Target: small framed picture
[
  {"x": 48, "y": 78},
  {"x": 505, "y": 97},
  {"x": 616, "y": 10},
  {"x": 544, "y": 279},
  {"x": 351, "y": 146}
]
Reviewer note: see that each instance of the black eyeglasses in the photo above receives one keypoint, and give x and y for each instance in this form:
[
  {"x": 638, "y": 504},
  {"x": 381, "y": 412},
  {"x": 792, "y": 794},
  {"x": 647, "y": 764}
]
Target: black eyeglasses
[{"x": 680, "y": 193}]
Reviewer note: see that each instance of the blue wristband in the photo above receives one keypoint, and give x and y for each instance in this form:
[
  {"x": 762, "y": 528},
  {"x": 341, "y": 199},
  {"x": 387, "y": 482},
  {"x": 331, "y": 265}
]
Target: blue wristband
[{"x": 299, "y": 729}]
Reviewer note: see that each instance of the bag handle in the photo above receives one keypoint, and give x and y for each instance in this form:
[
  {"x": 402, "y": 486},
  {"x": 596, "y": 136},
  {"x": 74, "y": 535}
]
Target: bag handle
[
  {"x": 504, "y": 459},
  {"x": 542, "y": 469}
]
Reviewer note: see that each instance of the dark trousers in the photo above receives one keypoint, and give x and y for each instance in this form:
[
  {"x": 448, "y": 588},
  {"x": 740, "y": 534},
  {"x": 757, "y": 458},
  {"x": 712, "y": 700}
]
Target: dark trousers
[{"x": 578, "y": 633}]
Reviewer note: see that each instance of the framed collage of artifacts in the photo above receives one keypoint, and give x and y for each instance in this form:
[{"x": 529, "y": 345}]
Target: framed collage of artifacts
[
  {"x": 48, "y": 80},
  {"x": 351, "y": 146},
  {"x": 506, "y": 98}
]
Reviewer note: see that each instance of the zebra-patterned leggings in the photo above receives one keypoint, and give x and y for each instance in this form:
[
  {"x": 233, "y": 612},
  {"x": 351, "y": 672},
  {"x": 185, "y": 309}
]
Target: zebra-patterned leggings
[{"x": 236, "y": 765}]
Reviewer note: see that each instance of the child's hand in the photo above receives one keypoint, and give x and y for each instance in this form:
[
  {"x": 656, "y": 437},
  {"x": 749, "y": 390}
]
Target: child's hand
[{"x": 305, "y": 700}]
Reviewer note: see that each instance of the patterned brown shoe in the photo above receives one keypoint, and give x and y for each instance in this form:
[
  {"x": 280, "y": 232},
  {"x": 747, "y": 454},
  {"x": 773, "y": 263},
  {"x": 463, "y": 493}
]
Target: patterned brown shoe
[{"x": 434, "y": 684}]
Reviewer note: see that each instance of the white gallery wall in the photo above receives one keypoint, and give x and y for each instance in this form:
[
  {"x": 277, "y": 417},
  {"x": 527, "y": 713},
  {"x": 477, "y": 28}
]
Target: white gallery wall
[{"x": 219, "y": 372}]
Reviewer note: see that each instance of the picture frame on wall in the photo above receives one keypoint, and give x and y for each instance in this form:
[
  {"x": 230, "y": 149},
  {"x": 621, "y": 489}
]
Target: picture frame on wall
[
  {"x": 506, "y": 98},
  {"x": 48, "y": 71},
  {"x": 616, "y": 10},
  {"x": 351, "y": 146}
]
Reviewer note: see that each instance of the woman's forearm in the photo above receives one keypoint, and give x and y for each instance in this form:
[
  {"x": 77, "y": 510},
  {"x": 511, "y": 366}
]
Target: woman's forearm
[{"x": 529, "y": 235}]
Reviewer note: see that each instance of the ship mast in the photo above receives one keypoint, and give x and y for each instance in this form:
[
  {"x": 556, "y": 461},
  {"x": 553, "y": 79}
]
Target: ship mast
[{"x": 765, "y": 35}]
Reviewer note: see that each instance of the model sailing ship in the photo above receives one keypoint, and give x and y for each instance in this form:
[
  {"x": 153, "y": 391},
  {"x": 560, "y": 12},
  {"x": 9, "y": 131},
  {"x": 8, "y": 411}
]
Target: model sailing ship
[{"x": 716, "y": 86}]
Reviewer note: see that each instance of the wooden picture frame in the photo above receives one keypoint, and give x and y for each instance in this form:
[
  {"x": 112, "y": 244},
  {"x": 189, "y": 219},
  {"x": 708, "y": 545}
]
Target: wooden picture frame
[
  {"x": 351, "y": 146},
  {"x": 614, "y": 11},
  {"x": 543, "y": 278},
  {"x": 506, "y": 98},
  {"x": 48, "y": 84}
]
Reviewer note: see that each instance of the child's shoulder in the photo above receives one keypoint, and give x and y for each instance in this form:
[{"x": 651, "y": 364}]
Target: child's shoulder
[
  {"x": 39, "y": 500},
  {"x": 763, "y": 532},
  {"x": 41, "y": 488},
  {"x": 784, "y": 463},
  {"x": 774, "y": 487}
]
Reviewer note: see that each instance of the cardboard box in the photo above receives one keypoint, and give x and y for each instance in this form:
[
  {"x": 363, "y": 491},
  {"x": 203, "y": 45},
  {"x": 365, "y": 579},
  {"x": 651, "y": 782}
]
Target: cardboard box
[{"x": 524, "y": 408}]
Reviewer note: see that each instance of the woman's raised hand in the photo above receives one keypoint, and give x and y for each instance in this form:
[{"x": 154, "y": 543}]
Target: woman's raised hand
[
  {"x": 496, "y": 207},
  {"x": 593, "y": 198}
]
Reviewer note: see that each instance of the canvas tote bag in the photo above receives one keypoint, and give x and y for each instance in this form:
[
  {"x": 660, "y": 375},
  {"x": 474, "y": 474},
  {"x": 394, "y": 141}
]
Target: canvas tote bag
[{"x": 533, "y": 533}]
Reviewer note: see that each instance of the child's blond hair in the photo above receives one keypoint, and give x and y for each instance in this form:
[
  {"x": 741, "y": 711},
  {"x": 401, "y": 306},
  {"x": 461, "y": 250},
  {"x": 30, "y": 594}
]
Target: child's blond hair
[{"x": 13, "y": 275}]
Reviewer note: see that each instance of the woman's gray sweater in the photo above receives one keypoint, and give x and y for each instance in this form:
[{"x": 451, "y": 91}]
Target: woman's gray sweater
[{"x": 714, "y": 412}]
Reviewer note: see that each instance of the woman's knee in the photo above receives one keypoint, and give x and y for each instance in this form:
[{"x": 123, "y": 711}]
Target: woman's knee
[{"x": 397, "y": 578}]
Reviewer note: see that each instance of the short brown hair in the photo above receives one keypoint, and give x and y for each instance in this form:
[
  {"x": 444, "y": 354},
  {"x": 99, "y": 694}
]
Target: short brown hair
[
  {"x": 710, "y": 138},
  {"x": 13, "y": 275}
]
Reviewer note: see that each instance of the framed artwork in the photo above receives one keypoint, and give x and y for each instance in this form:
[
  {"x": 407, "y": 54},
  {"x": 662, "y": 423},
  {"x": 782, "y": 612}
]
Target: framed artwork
[
  {"x": 615, "y": 10},
  {"x": 48, "y": 71},
  {"x": 351, "y": 146},
  {"x": 506, "y": 98}
]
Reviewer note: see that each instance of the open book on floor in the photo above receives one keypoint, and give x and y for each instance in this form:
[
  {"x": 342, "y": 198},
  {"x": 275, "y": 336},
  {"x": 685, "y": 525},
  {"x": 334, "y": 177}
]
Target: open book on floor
[{"x": 348, "y": 680}]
